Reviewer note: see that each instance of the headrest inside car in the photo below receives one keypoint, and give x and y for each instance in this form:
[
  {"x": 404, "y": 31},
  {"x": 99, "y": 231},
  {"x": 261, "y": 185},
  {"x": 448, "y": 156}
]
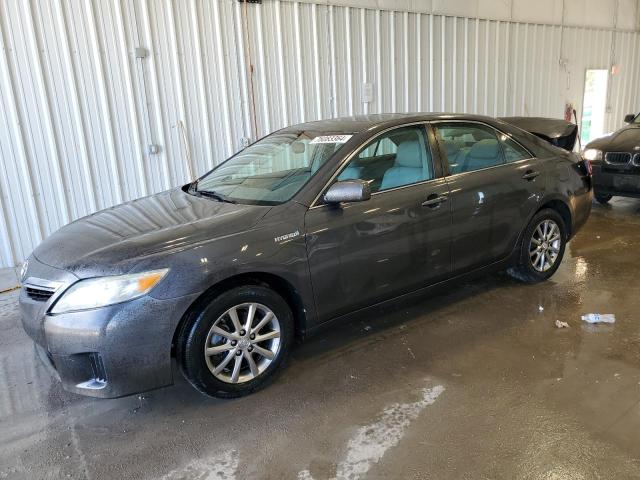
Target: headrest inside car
[{"x": 409, "y": 154}]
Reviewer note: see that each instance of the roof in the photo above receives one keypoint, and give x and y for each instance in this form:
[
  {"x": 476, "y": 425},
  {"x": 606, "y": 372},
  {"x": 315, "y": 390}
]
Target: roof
[{"x": 360, "y": 123}]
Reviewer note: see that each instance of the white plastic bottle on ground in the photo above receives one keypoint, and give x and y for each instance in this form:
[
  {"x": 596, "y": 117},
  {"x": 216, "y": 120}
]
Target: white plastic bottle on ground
[{"x": 599, "y": 318}]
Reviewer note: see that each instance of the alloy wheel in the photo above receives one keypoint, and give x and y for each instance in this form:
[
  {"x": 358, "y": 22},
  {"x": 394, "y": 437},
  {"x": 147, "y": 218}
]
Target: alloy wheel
[
  {"x": 545, "y": 245},
  {"x": 242, "y": 343}
]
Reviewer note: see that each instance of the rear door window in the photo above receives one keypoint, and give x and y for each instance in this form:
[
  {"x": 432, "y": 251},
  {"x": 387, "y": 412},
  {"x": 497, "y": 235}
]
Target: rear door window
[
  {"x": 513, "y": 151},
  {"x": 469, "y": 146}
]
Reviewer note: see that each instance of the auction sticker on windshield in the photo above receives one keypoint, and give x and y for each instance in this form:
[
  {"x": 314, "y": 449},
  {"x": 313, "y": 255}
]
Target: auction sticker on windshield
[{"x": 331, "y": 139}]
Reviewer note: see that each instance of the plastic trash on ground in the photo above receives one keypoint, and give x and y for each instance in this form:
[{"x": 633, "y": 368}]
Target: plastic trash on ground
[
  {"x": 560, "y": 324},
  {"x": 599, "y": 318}
]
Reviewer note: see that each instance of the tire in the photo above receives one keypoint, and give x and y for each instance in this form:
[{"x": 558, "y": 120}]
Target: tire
[
  {"x": 530, "y": 266},
  {"x": 211, "y": 324},
  {"x": 603, "y": 198}
]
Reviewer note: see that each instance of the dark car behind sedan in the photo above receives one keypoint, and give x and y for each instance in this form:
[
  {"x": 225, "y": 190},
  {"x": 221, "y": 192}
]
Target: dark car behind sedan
[
  {"x": 616, "y": 162},
  {"x": 306, "y": 226}
]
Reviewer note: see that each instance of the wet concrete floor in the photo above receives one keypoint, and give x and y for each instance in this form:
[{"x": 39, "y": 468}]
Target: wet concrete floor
[{"x": 473, "y": 383}]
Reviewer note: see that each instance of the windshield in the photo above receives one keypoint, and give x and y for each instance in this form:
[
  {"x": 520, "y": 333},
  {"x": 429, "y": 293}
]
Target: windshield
[
  {"x": 637, "y": 120},
  {"x": 272, "y": 170}
]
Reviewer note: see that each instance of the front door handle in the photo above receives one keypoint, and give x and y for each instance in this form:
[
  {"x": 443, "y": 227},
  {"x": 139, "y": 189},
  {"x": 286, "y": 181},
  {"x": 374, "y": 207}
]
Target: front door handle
[
  {"x": 530, "y": 175},
  {"x": 434, "y": 201}
]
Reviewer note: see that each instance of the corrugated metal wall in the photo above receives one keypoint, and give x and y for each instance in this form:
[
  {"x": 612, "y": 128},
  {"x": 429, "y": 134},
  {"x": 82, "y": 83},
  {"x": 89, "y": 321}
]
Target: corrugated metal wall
[{"x": 79, "y": 110}]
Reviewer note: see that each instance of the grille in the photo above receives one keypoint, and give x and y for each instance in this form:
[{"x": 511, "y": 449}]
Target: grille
[
  {"x": 618, "y": 158},
  {"x": 39, "y": 294},
  {"x": 636, "y": 160}
]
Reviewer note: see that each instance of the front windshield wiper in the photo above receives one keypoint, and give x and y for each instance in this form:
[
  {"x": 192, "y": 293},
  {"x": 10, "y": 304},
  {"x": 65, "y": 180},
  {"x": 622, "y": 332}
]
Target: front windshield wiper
[{"x": 215, "y": 195}]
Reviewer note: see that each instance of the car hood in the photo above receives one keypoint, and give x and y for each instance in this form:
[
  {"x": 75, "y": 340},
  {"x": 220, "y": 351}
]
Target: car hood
[
  {"x": 626, "y": 139},
  {"x": 113, "y": 239}
]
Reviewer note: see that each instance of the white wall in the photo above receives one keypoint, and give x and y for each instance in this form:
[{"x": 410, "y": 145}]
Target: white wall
[
  {"x": 621, "y": 14},
  {"x": 78, "y": 110}
]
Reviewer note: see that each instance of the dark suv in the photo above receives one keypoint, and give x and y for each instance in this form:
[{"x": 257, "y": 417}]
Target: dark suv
[
  {"x": 616, "y": 162},
  {"x": 304, "y": 227}
]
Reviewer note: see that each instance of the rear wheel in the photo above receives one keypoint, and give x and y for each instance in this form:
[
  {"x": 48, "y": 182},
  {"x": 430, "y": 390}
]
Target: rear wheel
[
  {"x": 603, "y": 198},
  {"x": 235, "y": 343},
  {"x": 541, "y": 249}
]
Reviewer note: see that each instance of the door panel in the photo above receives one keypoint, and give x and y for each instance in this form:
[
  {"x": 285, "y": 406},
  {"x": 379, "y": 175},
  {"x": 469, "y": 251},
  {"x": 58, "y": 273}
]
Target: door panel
[
  {"x": 472, "y": 197},
  {"x": 472, "y": 153},
  {"x": 362, "y": 253},
  {"x": 518, "y": 188}
]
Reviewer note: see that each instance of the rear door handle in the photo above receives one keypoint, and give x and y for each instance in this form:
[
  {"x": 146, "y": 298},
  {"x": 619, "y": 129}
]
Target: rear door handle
[
  {"x": 434, "y": 201},
  {"x": 530, "y": 175}
]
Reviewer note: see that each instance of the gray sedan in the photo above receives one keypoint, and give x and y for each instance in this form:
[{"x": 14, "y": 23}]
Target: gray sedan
[{"x": 305, "y": 227}]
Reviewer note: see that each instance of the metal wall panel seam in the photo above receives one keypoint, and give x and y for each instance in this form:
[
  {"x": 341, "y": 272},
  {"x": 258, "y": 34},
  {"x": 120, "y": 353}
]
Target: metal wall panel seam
[
  {"x": 419, "y": 88},
  {"x": 104, "y": 102},
  {"x": 138, "y": 75},
  {"x": 476, "y": 65},
  {"x": 266, "y": 127},
  {"x": 113, "y": 80},
  {"x": 443, "y": 65},
  {"x": 454, "y": 66},
  {"x": 363, "y": 49},
  {"x": 379, "y": 60},
  {"x": 485, "y": 86},
  {"x": 61, "y": 203},
  {"x": 155, "y": 87},
  {"x": 176, "y": 67},
  {"x": 635, "y": 73},
  {"x": 130, "y": 96},
  {"x": 224, "y": 94},
  {"x": 465, "y": 71},
  {"x": 393, "y": 59},
  {"x": 12, "y": 117},
  {"x": 348, "y": 57},
  {"x": 281, "y": 74},
  {"x": 540, "y": 31},
  {"x": 496, "y": 70},
  {"x": 76, "y": 117},
  {"x": 524, "y": 71},
  {"x": 625, "y": 73},
  {"x": 332, "y": 59},
  {"x": 507, "y": 55},
  {"x": 200, "y": 81},
  {"x": 514, "y": 83},
  {"x": 405, "y": 59},
  {"x": 28, "y": 93},
  {"x": 244, "y": 74},
  {"x": 431, "y": 76},
  {"x": 300, "y": 66},
  {"x": 316, "y": 60}
]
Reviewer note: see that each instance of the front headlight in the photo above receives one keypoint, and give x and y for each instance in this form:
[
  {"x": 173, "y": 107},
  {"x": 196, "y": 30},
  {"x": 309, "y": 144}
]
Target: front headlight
[
  {"x": 592, "y": 154},
  {"x": 103, "y": 291}
]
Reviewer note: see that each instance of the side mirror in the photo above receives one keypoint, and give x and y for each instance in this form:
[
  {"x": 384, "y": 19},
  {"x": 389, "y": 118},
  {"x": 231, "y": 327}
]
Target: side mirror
[
  {"x": 348, "y": 191},
  {"x": 629, "y": 118}
]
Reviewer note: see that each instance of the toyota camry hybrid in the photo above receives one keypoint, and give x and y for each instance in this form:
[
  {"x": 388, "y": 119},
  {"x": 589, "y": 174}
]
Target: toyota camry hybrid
[{"x": 304, "y": 227}]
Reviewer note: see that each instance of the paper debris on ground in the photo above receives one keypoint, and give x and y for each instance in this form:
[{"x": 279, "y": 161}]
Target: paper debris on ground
[
  {"x": 560, "y": 324},
  {"x": 599, "y": 318}
]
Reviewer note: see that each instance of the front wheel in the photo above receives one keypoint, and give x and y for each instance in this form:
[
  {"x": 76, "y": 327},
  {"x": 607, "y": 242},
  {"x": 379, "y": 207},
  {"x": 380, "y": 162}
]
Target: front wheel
[
  {"x": 541, "y": 249},
  {"x": 235, "y": 343}
]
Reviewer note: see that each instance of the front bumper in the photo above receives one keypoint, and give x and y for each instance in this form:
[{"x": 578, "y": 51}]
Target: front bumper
[
  {"x": 621, "y": 181},
  {"x": 106, "y": 352}
]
